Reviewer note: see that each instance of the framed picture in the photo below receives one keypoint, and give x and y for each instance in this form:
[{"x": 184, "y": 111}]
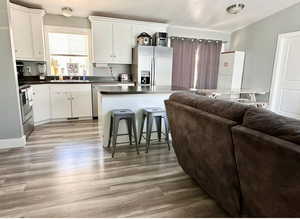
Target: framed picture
[{"x": 73, "y": 68}]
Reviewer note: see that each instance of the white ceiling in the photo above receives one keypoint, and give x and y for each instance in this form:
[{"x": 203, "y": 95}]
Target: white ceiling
[{"x": 208, "y": 14}]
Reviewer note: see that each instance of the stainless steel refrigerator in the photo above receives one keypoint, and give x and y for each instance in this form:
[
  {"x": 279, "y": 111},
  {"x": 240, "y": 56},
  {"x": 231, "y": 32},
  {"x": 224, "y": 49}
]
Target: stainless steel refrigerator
[{"x": 152, "y": 65}]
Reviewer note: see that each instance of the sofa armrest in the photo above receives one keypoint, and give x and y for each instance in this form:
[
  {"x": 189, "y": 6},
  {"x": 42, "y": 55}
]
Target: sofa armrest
[
  {"x": 203, "y": 145},
  {"x": 269, "y": 173}
]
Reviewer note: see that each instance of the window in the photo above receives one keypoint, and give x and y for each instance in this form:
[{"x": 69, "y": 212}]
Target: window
[{"x": 69, "y": 54}]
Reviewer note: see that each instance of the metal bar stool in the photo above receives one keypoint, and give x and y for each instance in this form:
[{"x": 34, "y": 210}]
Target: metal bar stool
[
  {"x": 157, "y": 114},
  {"x": 116, "y": 117}
]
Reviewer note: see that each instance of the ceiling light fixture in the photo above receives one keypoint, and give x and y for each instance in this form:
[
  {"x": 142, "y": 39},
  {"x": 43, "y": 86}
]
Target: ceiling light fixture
[
  {"x": 67, "y": 11},
  {"x": 235, "y": 8}
]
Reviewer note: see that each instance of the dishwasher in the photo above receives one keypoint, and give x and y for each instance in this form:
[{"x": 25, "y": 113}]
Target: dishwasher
[{"x": 95, "y": 88}]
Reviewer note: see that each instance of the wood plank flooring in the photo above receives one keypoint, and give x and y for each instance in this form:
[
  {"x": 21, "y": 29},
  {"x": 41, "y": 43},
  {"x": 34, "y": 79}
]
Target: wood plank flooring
[{"x": 64, "y": 171}]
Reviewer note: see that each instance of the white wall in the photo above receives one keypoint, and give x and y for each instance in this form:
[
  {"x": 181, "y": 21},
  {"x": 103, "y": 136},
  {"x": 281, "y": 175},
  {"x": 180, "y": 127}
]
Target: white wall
[
  {"x": 198, "y": 33},
  {"x": 59, "y": 20},
  {"x": 259, "y": 41},
  {"x": 10, "y": 114}
]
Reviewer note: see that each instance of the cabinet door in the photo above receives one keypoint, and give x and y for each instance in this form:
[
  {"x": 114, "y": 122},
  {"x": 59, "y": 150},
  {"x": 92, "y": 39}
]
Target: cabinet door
[
  {"x": 38, "y": 37},
  {"x": 21, "y": 26},
  {"x": 102, "y": 42},
  {"x": 60, "y": 102},
  {"x": 41, "y": 103},
  {"x": 78, "y": 45},
  {"x": 122, "y": 43},
  {"x": 82, "y": 103}
]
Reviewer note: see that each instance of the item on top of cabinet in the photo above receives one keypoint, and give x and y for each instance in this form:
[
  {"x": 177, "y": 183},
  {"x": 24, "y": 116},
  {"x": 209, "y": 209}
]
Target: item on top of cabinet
[
  {"x": 144, "y": 39},
  {"x": 123, "y": 77},
  {"x": 160, "y": 39}
]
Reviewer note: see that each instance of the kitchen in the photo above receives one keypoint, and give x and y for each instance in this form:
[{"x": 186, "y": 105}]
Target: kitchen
[
  {"x": 104, "y": 114},
  {"x": 62, "y": 69},
  {"x": 57, "y": 95}
]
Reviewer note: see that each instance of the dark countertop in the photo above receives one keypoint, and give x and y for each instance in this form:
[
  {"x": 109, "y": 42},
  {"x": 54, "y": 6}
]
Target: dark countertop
[
  {"x": 68, "y": 82},
  {"x": 31, "y": 80},
  {"x": 138, "y": 89},
  {"x": 72, "y": 82}
]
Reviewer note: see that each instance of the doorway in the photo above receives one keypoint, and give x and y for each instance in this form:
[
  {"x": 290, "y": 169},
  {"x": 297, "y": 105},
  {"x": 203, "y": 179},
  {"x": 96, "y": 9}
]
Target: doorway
[{"x": 285, "y": 90}]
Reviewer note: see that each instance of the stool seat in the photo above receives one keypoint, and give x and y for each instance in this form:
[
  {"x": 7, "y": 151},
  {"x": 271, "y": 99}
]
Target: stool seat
[
  {"x": 122, "y": 112},
  {"x": 153, "y": 110}
]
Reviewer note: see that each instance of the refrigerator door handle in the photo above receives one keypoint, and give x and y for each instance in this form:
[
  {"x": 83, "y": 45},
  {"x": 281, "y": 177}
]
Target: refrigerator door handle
[{"x": 153, "y": 72}]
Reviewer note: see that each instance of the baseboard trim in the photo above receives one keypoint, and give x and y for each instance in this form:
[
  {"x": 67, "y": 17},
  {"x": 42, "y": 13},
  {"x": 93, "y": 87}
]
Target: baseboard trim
[
  {"x": 13, "y": 142},
  {"x": 61, "y": 120}
]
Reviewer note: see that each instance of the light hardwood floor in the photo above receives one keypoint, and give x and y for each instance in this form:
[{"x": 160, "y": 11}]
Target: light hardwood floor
[{"x": 65, "y": 172}]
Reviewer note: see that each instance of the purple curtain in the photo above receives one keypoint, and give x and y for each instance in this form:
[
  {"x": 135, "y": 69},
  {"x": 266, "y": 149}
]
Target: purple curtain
[
  {"x": 183, "y": 62},
  {"x": 208, "y": 64}
]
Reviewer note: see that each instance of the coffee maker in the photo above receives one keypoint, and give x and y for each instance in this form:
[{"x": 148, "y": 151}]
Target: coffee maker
[{"x": 20, "y": 68}]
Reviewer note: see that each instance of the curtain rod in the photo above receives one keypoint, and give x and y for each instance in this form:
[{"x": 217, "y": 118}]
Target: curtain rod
[{"x": 186, "y": 38}]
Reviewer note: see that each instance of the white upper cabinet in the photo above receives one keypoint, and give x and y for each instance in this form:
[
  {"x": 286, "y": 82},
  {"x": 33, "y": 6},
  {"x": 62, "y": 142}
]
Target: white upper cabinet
[
  {"x": 71, "y": 44},
  {"x": 122, "y": 46},
  {"x": 37, "y": 27},
  {"x": 102, "y": 35},
  {"x": 113, "y": 39},
  {"x": 28, "y": 33},
  {"x": 21, "y": 26}
]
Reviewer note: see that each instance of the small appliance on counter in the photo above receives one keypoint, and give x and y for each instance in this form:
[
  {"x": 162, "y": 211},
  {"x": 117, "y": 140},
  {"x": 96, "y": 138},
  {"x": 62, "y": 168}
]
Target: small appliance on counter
[
  {"x": 42, "y": 70},
  {"x": 160, "y": 39},
  {"x": 144, "y": 39},
  {"x": 123, "y": 77},
  {"x": 20, "y": 68}
]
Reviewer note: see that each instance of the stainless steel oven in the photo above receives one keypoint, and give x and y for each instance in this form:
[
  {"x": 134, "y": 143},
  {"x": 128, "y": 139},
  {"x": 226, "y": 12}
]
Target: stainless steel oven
[{"x": 26, "y": 103}]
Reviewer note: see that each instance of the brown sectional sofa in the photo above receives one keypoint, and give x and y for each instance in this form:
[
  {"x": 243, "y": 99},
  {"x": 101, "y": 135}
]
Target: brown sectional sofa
[{"x": 246, "y": 158}]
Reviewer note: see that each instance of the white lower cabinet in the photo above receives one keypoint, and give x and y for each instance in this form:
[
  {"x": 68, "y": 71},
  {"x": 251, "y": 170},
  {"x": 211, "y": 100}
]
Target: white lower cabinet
[
  {"x": 41, "y": 103},
  {"x": 81, "y": 103},
  {"x": 60, "y": 104},
  {"x": 61, "y": 101},
  {"x": 71, "y": 101}
]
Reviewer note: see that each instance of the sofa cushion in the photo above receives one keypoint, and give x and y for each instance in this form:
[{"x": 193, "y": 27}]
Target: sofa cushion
[
  {"x": 226, "y": 109},
  {"x": 273, "y": 124}
]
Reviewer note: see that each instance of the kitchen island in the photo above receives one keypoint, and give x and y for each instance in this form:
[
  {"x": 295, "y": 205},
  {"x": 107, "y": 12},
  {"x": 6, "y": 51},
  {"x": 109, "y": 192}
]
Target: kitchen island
[{"x": 134, "y": 98}]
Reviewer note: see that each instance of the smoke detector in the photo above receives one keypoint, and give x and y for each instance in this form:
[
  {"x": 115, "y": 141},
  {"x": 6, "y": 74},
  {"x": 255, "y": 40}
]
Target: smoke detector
[
  {"x": 235, "y": 8},
  {"x": 67, "y": 11}
]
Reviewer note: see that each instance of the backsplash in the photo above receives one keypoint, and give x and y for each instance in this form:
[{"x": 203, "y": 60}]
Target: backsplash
[{"x": 111, "y": 70}]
